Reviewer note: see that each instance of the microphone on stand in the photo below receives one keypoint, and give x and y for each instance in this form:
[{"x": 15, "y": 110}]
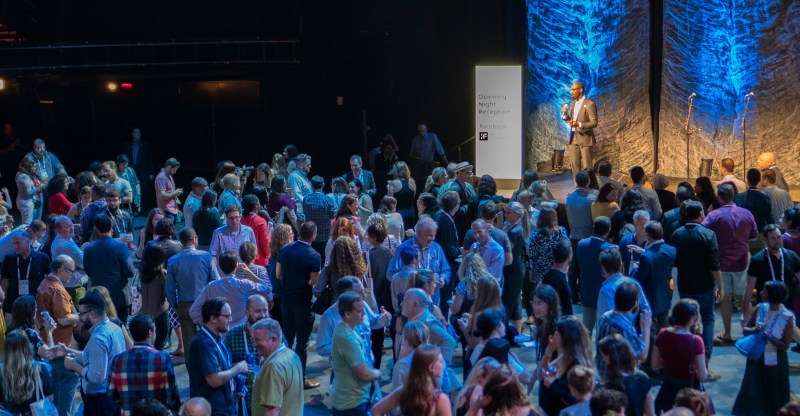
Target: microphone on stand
[
  {"x": 694, "y": 94},
  {"x": 750, "y": 94}
]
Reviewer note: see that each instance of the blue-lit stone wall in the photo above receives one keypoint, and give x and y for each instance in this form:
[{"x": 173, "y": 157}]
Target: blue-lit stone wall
[
  {"x": 723, "y": 49},
  {"x": 604, "y": 44}
]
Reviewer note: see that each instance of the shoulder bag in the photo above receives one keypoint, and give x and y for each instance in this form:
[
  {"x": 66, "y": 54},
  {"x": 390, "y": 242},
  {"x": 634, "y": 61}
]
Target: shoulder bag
[{"x": 42, "y": 406}]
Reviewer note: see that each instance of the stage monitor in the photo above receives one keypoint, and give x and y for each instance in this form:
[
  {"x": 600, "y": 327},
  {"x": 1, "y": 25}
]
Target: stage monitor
[{"x": 498, "y": 121}]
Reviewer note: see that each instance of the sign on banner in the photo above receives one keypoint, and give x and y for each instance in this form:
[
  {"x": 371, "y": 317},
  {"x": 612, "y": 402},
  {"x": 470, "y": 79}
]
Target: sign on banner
[{"x": 498, "y": 121}]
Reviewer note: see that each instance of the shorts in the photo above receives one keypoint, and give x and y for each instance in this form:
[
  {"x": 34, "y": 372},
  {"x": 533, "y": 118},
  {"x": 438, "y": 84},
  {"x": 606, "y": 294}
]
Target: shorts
[{"x": 735, "y": 283}]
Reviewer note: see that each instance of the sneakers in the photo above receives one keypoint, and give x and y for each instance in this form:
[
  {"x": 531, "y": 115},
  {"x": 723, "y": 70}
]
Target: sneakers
[
  {"x": 712, "y": 377},
  {"x": 308, "y": 384}
]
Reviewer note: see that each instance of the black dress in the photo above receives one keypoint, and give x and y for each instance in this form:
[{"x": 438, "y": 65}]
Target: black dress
[
  {"x": 406, "y": 205},
  {"x": 514, "y": 274}
]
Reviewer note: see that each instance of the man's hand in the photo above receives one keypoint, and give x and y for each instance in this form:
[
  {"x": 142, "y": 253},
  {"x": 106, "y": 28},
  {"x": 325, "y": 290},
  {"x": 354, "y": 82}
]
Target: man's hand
[
  {"x": 719, "y": 294},
  {"x": 385, "y": 317},
  {"x": 645, "y": 320},
  {"x": 241, "y": 367},
  {"x": 69, "y": 364}
]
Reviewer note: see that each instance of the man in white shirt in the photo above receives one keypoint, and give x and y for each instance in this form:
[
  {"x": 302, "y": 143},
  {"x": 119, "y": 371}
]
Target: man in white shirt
[
  {"x": 195, "y": 199},
  {"x": 726, "y": 167}
]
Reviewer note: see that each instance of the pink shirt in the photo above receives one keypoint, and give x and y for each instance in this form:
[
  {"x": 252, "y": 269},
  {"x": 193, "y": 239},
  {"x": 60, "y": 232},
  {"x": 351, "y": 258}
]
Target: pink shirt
[
  {"x": 734, "y": 227},
  {"x": 165, "y": 183}
]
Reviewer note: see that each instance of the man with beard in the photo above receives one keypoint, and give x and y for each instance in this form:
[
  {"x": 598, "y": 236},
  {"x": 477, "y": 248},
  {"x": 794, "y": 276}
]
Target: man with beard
[
  {"x": 210, "y": 367},
  {"x": 431, "y": 255},
  {"x": 47, "y": 164},
  {"x": 240, "y": 339},
  {"x": 121, "y": 222}
]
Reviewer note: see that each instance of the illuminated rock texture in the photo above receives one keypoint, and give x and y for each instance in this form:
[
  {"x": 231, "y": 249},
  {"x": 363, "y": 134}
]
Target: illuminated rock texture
[
  {"x": 721, "y": 50},
  {"x": 604, "y": 44}
]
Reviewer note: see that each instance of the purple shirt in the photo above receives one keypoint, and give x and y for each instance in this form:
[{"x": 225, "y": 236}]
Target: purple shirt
[
  {"x": 734, "y": 227},
  {"x": 791, "y": 243}
]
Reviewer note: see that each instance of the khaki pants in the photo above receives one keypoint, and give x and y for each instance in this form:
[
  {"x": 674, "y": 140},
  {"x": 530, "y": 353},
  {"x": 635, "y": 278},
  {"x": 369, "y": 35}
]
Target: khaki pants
[
  {"x": 188, "y": 328},
  {"x": 581, "y": 157}
]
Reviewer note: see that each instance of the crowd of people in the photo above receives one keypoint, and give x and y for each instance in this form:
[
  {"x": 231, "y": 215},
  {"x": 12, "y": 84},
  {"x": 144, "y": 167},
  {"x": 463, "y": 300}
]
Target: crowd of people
[{"x": 240, "y": 267}]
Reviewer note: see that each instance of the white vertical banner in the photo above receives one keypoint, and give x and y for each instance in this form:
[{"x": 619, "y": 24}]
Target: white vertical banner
[{"x": 498, "y": 121}]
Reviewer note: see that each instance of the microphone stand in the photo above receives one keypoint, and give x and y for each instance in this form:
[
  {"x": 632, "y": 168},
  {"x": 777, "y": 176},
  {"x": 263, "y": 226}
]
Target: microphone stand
[
  {"x": 744, "y": 132},
  {"x": 689, "y": 133}
]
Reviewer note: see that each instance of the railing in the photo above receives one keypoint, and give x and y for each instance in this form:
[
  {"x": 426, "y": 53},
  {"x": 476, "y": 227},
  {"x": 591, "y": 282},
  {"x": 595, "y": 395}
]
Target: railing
[{"x": 458, "y": 149}]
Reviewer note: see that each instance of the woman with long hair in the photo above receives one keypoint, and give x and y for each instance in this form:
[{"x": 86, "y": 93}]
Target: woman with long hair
[
  {"x": 541, "y": 243},
  {"x": 486, "y": 191},
  {"x": 280, "y": 236},
  {"x": 414, "y": 335},
  {"x": 606, "y": 203},
  {"x": 206, "y": 219},
  {"x": 23, "y": 318},
  {"x": 278, "y": 166},
  {"x": 502, "y": 394},
  {"x": 421, "y": 393},
  {"x": 341, "y": 227},
  {"x": 435, "y": 181},
  {"x": 546, "y": 310},
  {"x": 425, "y": 279},
  {"x": 765, "y": 384},
  {"x": 22, "y": 376},
  {"x": 490, "y": 327},
  {"x": 29, "y": 191},
  {"x": 346, "y": 260},
  {"x": 706, "y": 193},
  {"x": 349, "y": 209},
  {"x": 516, "y": 226},
  {"x": 476, "y": 378},
  {"x": 680, "y": 353},
  {"x": 394, "y": 221},
  {"x": 487, "y": 296},
  {"x": 339, "y": 189},
  {"x": 57, "y": 202},
  {"x": 153, "y": 276},
  {"x": 279, "y": 200},
  {"x": 148, "y": 232},
  {"x": 622, "y": 375},
  {"x": 224, "y": 167},
  {"x": 426, "y": 204},
  {"x": 472, "y": 268},
  {"x": 356, "y": 188},
  {"x": 572, "y": 343},
  {"x": 403, "y": 188},
  {"x": 262, "y": 176}
]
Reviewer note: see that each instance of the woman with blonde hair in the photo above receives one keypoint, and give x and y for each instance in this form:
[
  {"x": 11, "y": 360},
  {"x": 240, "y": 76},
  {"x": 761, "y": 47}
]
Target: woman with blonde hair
[
  {"x": 394, "y": 221},
  {"x": 414, "y": 335},
  {"x": 426, "y": 280},
  {"x": 278, "y": 165},
  {"x": 346, "y": 260},
  {"x": 516, "y": 226},
  {"x": 22, "y": 376},
  {"x": 421, "y": 394},
  {"x": 403, "y": 188},
  {"x": 280, "y": 236},
  {"x": 390, "y": 242},
  {"x": 436, "y": 180},
  {"x": 471, "y": 269}
]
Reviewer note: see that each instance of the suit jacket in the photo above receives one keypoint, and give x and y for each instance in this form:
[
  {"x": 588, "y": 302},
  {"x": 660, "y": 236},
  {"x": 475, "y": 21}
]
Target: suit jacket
[
  {"x": 369, "y": 181},
  {"x": 671, "y": 222},
  {"x": 587, "y": 116},
  {"x": 655, "y": 268},
  {"x": 144, "y": 159},
  {"x": 447, "y": 236},
  {"x": 108, "y": 263},
  {"x": 591, "y": 274}
]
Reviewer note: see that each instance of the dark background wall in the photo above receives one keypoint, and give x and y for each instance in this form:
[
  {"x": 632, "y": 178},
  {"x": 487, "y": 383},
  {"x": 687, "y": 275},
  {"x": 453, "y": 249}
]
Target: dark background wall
[{"x": 396, "y": 61}]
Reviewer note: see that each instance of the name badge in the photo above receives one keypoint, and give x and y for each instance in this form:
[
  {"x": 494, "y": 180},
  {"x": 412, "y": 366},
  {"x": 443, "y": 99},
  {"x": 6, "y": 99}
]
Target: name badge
[{"x": 24, "y": 287}]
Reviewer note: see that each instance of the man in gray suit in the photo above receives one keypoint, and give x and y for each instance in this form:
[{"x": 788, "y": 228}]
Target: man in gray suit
[
  {"x": 581, "y": 117},
  {"x": 365, "y": 176}
]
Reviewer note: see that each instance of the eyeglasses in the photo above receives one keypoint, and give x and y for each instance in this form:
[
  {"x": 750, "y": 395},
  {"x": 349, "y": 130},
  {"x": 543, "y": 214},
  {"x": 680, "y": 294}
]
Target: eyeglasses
[
  {"x": 69, "y": 270},
  {"x": 228, "y": 316},
  {"x": 80, "y": 314}
]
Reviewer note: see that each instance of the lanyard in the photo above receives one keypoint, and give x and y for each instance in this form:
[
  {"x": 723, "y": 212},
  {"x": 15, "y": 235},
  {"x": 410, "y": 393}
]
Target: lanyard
[
  {"x": 28, "y": 273},
  {"x": 769, "y": 261},
  {"x": 244, "y": 339},
  {"x": 219, "y": 349}
]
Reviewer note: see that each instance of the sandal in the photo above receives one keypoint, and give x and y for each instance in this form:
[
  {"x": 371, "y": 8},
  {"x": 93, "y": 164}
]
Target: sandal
[
  {"x": 719, "y": 341},
  {"x": 177, "y": 353}
]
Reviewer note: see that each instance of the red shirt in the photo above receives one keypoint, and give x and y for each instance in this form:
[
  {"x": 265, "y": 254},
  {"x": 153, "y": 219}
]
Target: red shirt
[
  {"x": 261, "y": 229},
  {"x": 58, "y": 204},
  {"x": 678, "y": 351}
]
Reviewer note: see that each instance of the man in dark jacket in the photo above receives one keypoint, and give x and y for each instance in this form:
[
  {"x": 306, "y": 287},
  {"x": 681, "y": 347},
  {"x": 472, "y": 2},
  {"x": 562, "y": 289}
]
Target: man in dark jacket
[{"x": 108, "y": 263}]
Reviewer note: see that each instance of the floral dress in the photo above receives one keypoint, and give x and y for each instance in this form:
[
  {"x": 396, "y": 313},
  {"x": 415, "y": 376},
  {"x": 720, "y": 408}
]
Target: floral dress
[{"x": 540, "y": 251}]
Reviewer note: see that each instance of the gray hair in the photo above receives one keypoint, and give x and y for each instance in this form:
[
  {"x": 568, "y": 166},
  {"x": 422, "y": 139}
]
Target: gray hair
[
  {"x": 419, "y": 294},
  {"x": 641, "y": 214},
  {"x": 376, "y": 218},
  {"x": 355, "y": 158},
  {"x": 61, "y": 261},
  {"x": 271, "y": 326},
  {"x": 229, "y": 179},
  {"x": 425, "y": 222}
]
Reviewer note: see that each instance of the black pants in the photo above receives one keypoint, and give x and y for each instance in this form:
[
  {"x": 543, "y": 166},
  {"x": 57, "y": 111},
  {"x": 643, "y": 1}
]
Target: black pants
[
  {"x": 319, "y": 247},
  {"x": 298, "y": 321},
  {"x": 122, "y": 313},
  {"x": 377, "y": 336},
  {"x": 162, "y": 330},
  {"x": 446, "y": 291}
]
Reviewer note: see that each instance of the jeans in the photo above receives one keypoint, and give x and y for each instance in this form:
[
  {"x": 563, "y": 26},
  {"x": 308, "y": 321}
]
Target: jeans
[
  {"x": 65, "y": 384},
  {"x": 706, "y": 301},
  {"x": 298, "y": 321},
  {"x": 26, "y": 210},
  {"x": 360, "y": 410}
]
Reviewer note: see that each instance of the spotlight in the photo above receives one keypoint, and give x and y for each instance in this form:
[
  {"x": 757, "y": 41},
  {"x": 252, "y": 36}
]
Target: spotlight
[
  {"x": 2, "y": 84},
  {"x": 112, "y": 86}
]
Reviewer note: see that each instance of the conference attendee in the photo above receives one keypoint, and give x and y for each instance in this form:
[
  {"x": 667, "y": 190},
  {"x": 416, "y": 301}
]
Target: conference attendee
[
  {"x": 109, "y": 264},
  {"x": 579, "y": 216},
  {"x": 490, "y": 251},
  {"x": 51, "y": 296},
  {"x": 415, "y": 309},
  {"x": 517, "y": 227},
  {"x": 57, "y": 202},
  {"x": 540, "y": 247},
  {"x": 240, "y": 341},
  {"x": 355, "y": 375},
  {"x": 654, "y": 273},
  {"x": 622, "y": 375},
  {"x": 278, "y": 388},
  {"x": 726, "y": 168},
  {"x": 606, "y": 203},
  {"x": 611, "y": 264},
  {"x": 673, "y": 219},
  {"x": 780, "y": 200},
  {"x": 573, "y": 346},
  {"x": 298, "y": 180},
  {"x": 121, "y": 221},
  {"x": 623, "y": 320},
  {"x": 631, "y": 245},
  {"x": 152, "y": 274},
  {"x": 47, "y": 163},
  {"x": 622, "y": 220},
  {"x": 649, "y": 196},
  {"x": 165, "y": 230},
  {"x": 556, "y": 277},
  {"x": 230, "y": 185},
  {"x": 581, "y": 383},
  {"x": 699, "y": 276},
  {"x": 604, "y": 173},
  {"x": 106, "y": 341},
  {"x": 766, "y": 160},
  {"x": 447, "y": 237},
  {"x": 194, "y": 201},
  {"x": 581, "y": 118},
  {"x": 363, "y": 175},
  {"x": 230, "y": 236},
  {"x": 297, "y": 270},
  {"x": 231, "y": 287},
  {"x": 772, "y": 263},
  {"x": 430, "y": 253},
  {"x": 461, "y": 185},
  {"x": 250, "y": 208},
  {"x": 665, "y": 197},
  {"x": 22, "y": 271},
  {"x": 197, "y": 406},
  {"x": 487, "y": 211},
  {"x": 426, "y": 145},
  {"x": 126, "y": 172},
  {"x": 23, "y": 380},
  {"x": 704, "y": 192},
  {"x": 143, "y": 362},
  {"x": 188, "y": 272},
  {"x": 166, "y": 192},
  {"x": 757, "y": 202},
  {"x": 210, "y": 367},
  {"x": 422, "y": 393},
  {"x": 206, "y": 220},
  {"x": 141, "y": 160},
  {"x": 321, "y": 209},
  {"x": 114, "y": 181},
  {"x": 591, "y": 275},
  {"x": 403, "y": 188},
  {"x": 29, "y": 191},
  {"x": 734, "y": 227}
]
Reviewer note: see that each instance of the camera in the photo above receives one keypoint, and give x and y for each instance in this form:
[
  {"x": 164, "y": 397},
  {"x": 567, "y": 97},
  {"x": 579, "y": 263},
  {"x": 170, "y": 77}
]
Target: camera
[{"x": 243, "y": 169}]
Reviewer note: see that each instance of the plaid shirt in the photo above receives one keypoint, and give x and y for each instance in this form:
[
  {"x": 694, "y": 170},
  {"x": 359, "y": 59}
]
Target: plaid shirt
[
  {"x": 239, "y": 348},
  {"x": 321, "y": 209},
  {"x": 140, "y": 373}
]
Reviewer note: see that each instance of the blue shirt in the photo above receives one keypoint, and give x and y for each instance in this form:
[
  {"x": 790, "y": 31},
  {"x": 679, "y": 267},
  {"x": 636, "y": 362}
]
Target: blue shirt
[
  {"x": 591, "y": 274},
  {"x": 235, "y": 291},
  {"x": 106, "y": 341},
  {"x": 209, "y": 355},
  {"x": 321, "y": 209},
  {"x": 227, "y": 198},
  {"x": 298, "y": 260},
  {"x": 188, "y": 272},
  {"x": 432, "y": 258},
  {"x": 426, "y": 147},
  {"x": 494, "y": 256},
  {"x": 224, "y": 239},
  {"x": 605, "y": 302},
  {"x": 301, "y": 186}
]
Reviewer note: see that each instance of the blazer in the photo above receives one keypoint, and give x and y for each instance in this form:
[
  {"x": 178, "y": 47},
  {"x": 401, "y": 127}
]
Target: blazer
[
  {"x": 591, "y": 274},
  {"x": 655, "y": 268},
  {"x": 108, "y": 263},
  {"x": 369, "y": 181},
  {"x": 587, "y": 116}
]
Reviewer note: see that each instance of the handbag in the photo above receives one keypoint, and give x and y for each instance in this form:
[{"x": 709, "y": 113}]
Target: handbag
[
  {"x": 323, "y": 301},
  {"x": 42, "y": 406},
  {"x": 753, "y": 345}
]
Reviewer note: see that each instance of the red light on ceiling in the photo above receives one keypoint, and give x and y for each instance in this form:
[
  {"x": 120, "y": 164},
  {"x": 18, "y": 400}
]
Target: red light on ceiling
[{"x": 126, "y": 85}]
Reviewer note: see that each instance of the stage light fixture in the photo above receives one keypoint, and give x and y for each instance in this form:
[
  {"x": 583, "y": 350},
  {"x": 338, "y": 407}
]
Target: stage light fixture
[
  {"x": 112, "y": 86},
  {"x": 2, "y": 84}
]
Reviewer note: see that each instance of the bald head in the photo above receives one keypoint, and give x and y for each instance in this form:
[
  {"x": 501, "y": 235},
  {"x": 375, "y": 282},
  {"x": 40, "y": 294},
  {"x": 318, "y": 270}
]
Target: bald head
[
  {"x": 257, "y": 309},
  {"x": 414, "y": 302},
  {"x": 765, "y": 160},
  {"x": 197, "y": 406}
]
